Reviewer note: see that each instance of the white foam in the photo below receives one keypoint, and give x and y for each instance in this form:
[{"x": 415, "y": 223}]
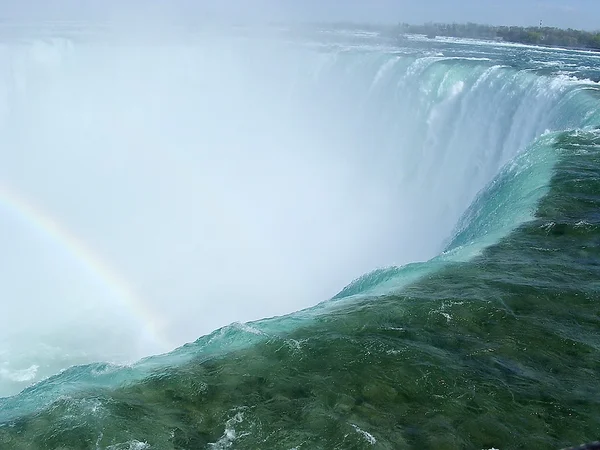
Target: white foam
[
  {"x": 368, "y": 436},
  {"x": 230, "y": 434},
  {"x": 130, "y": 445},
  {"x": 19, "y": 376}
]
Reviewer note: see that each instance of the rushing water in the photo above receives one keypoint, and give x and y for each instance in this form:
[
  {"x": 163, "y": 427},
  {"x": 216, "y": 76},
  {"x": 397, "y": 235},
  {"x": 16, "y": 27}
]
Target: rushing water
[{"x": 458, "y": 184}]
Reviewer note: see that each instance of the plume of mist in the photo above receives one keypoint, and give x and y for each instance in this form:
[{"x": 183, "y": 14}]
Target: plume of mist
[
  {"x": 206, "y": 169},
  {"x": 194, "y": 168}
]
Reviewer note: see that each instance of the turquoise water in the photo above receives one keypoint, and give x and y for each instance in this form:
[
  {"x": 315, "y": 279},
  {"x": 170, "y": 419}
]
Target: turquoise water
[{"x": 492, "y": 342}]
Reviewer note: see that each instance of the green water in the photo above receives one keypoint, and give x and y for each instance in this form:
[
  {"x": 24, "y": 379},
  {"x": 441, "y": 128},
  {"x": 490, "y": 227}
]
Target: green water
[{"x": 502, "y": 352}]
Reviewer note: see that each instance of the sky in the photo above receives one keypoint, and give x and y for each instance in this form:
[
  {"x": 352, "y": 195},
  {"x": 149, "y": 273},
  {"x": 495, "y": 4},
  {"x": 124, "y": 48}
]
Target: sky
[{"x": 583, "y": 14}]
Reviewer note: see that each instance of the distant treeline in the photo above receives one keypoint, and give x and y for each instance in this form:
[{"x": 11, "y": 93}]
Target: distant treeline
[{"x": 524, "y": 35}]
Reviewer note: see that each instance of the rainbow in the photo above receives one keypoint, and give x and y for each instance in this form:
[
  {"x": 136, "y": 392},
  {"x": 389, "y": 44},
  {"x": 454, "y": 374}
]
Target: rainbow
[{"x": 50, "y": 228}]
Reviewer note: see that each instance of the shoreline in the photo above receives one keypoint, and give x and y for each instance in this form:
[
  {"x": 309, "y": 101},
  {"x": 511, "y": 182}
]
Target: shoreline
[
  {"x": 547, "y": 37},
  {"x": 496, "y": 41}
]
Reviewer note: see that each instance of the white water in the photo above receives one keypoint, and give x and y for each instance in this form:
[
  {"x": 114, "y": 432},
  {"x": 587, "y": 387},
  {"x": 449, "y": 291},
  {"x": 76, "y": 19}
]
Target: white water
[{"x": 230, "y": 180}]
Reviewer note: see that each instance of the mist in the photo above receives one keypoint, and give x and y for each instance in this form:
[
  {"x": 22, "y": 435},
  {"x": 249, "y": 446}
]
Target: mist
[
  {"x": 199, "y": 171},
  {"x": 220, "y": 177}
]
